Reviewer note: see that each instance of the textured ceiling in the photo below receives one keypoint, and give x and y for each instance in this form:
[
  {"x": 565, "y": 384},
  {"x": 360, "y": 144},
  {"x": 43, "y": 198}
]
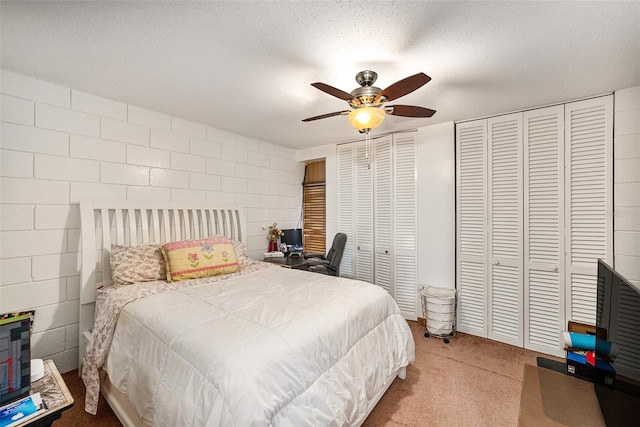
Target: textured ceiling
[{"x": 246, "y": 67}]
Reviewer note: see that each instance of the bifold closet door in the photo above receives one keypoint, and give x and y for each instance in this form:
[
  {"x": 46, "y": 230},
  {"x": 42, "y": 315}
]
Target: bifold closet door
[
  {"x": 543, "y": 227},
  {"x": 505, "y": 239},
  {"x": 383, "y": 213},
  {"x": 364, "y": 214},
  {"x": 405, "y": 214},
  {"x": 589, "y": 207},
  {"x": 471, "y": 223},
  {"x": 346, "y": 208}
]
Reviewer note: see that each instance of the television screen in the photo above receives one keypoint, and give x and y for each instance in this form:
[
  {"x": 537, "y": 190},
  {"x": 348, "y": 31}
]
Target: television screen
[
  {"x": 292, "y": 237},
  {"x": 15, "y": 356},
  {"x": 618, "y": 312}
]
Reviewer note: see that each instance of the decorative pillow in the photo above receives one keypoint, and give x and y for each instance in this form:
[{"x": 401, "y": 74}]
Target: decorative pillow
[
  {"x": 241, "y": 253},
  {"x": 192, "y": 259},
  {"x": 133, "y": 264}
]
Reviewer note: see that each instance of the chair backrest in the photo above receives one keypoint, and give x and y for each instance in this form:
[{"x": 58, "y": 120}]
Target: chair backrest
[{"x": 334, "y": 256}]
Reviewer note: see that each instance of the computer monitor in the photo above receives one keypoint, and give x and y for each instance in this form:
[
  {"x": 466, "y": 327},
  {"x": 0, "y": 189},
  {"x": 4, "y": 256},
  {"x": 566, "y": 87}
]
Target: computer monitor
[
  {"x": 15, "y": 356},
  {"x": 292, "y": 237}
]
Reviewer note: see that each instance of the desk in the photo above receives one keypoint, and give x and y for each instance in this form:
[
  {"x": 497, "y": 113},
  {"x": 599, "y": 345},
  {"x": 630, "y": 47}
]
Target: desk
[
  {"x": 297, "y": 263},
  {"x": 54, "y": 393}
]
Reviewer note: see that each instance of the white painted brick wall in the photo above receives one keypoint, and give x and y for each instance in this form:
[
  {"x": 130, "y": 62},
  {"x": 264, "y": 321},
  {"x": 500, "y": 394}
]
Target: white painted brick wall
[
  {"x": 203, "y": 181},
  {"x": 15, "y": 297},
  {"x": 223, "y": 137},
  {"x": 87, "y": 191},
  {"x": 124, "y": 132},
  {"x": 65, "y": 168},
  {"x": 49, "y": 217},
  {"x": 17, "y": 110},
  {"x": 85, "y": 147},
  {"x": 186, "y": 127},
  {"x": 16, "y": 164},
  {"x": 200, "y": 147},
  {"x": 60, "y": 146},
  {"x": 65, "y": 120},
  {"x": 88, "y": 103},
  {"x": 114, "y": 173},
  {"x": 145, "y": 156},
  {"x": 181, "y": 195},
  {"x": 149, "y": 118},
  {"x": 626, "y": 221},
  {"x": 15, "y": 270},
  {"x": 148, "y": 193},
  {"x": 27, "y": 191},
  {"x": 34, "y": 89},
  {"x": 187, "y": 162},
  {"x": 34, "y": 140},
  {"x": 16, "y": 217},
  {"x": 169, "y": 141},
  {"x": 169, "y": 178}
]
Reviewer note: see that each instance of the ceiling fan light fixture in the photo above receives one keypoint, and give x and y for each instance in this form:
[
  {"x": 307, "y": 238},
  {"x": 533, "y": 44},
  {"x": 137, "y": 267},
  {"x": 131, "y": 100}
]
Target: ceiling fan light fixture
[{"x": 366, "y": 118}]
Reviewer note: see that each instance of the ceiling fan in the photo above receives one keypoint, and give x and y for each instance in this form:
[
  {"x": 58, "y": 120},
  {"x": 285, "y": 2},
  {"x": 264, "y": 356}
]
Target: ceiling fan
[{"x": 367, "y": 101}]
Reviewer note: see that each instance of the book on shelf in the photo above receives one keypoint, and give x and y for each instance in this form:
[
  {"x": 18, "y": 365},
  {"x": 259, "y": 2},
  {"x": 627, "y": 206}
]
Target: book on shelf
[{"x": 21, "y": 410}]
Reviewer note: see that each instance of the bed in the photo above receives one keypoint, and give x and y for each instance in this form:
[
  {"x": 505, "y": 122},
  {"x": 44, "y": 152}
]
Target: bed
[{"x": 263, "y": 345}]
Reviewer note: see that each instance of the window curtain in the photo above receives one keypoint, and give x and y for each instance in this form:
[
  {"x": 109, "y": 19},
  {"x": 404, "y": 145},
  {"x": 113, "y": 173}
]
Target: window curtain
[{"x": 314, "y": 207}]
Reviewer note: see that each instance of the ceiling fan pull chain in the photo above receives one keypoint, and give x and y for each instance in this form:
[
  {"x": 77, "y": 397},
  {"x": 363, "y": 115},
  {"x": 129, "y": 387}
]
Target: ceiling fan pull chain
[{"x": 367, "y": 147}]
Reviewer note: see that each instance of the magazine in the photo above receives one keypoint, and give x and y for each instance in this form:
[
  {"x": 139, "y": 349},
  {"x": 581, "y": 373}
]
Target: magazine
[{"x": 21, "y": 410}]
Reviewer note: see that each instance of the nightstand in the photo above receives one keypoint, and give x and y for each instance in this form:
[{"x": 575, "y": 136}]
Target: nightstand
[{"x": 54, "y": 393}]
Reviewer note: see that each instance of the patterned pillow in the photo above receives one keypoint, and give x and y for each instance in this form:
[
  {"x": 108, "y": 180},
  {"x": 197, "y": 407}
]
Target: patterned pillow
[
  {"x": 133, "y": 264},
  {"x": 193, "y": 259},
  {"x": 241, "y": 254}
]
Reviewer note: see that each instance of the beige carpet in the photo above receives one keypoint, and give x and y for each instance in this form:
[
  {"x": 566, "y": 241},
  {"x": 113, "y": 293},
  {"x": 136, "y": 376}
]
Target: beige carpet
[{"x": 471, "y": 381}]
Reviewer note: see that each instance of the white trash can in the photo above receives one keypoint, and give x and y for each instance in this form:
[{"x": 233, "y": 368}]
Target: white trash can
[{"x": 439, "y": 310}]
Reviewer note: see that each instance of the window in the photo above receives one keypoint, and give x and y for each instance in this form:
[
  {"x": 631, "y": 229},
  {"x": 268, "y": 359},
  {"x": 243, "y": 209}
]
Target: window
[{"x": 314, "y": 207}]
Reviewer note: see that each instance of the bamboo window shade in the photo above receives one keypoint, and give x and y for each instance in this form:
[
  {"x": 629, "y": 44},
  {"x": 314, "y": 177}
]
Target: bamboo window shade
[{"x": 314, "y": 207}]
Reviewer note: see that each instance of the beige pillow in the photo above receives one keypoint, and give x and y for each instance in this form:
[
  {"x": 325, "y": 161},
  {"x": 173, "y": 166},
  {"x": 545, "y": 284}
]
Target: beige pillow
[{"x": 133, "y": 264}]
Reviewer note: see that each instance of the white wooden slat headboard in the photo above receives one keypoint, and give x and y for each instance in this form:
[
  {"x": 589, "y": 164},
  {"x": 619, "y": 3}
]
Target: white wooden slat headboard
[{"x": 135, "y": 223}]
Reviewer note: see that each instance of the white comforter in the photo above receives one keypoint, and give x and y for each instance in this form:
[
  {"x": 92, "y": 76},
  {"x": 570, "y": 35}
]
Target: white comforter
[{"x": 274, "y": 347}]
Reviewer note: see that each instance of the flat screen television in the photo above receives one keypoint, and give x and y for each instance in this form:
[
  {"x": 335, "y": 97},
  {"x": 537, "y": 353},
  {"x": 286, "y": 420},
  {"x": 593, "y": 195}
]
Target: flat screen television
[
  {"x": 292, "y": 237},
  {"x": 618, "y": 311},
  {"x": 15, "y": 356}
]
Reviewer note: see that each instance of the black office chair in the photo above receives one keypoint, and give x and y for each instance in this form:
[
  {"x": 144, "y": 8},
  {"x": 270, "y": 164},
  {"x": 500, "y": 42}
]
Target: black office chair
[{"x": 329, "y": 264}]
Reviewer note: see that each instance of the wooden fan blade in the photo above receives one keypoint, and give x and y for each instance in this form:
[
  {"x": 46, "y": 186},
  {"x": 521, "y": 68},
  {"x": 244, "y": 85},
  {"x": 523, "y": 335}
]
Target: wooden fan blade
[
  {"x": 324, "y": 116},
  {"x": 333, "y": 91},
  {"x": 409, "y": 111},
  {"x": 404, "y": 87}
]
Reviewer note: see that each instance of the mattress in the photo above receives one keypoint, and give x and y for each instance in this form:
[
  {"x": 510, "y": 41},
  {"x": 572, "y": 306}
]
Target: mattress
[{"x": 270, "y": 347}]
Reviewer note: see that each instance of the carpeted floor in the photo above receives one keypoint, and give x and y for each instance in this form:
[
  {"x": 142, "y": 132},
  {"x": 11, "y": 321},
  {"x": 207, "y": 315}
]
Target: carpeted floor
[{"x": 471, "y": 381}]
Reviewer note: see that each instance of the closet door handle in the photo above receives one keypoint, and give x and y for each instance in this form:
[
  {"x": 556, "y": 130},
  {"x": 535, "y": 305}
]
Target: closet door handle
[
  {"x": 386, "y": 251},
  {"x": 496, "y": 262}
]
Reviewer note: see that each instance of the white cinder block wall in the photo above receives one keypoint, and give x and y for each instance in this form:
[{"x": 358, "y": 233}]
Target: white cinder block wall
[
  {"x": 59, "y": 146},
  {"x": 626, "y": 220}
]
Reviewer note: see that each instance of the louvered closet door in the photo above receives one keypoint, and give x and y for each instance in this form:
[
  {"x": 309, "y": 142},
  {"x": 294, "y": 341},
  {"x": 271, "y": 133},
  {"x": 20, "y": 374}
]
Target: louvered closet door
[
  {"x": 383, "y": 214},
  {"x": 471, "y": 170},
  {"x": 505, "y": 290},
  {"x": 405, "y": 232},
  {"x": 589, "y": 207},
  {"x": 364, "y": 214},
  {"x": 346, "y": 194},
  {"x": 543, "y": 228}
]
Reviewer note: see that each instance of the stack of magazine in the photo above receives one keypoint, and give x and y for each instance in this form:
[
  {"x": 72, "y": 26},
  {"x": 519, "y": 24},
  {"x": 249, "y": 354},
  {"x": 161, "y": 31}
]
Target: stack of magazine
[{"x": 21, "y": 410}]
